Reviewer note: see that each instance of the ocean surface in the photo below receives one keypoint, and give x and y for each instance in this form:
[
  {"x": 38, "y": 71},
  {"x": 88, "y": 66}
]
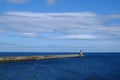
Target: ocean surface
[{"x": 93, "y": 66}]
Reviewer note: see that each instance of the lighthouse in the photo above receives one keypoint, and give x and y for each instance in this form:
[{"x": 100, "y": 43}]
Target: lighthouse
[{"x": 81, "y": 54}]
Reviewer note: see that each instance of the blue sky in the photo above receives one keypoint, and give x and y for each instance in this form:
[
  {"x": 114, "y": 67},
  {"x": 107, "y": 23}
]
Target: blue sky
[{"x": 59, "y": 25}]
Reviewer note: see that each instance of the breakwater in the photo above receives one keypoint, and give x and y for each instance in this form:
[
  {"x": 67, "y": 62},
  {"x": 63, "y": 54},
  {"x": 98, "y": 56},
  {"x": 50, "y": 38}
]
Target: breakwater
[{"x": 25, "y": 58}]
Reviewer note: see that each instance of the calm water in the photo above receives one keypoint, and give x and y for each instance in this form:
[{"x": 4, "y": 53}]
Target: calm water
[{"x": 94, "y": 66}]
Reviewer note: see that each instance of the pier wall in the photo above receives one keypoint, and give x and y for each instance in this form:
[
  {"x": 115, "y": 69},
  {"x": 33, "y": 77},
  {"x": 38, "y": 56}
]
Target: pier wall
[{"x": 25, "y": 58}]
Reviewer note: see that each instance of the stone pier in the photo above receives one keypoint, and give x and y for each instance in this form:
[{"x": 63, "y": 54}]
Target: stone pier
[{"x": 26, "y": 58}]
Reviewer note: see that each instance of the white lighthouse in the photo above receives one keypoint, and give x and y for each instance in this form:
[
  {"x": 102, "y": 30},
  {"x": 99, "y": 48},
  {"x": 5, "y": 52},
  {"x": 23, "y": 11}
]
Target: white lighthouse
[{"x": 81, "y": 54}]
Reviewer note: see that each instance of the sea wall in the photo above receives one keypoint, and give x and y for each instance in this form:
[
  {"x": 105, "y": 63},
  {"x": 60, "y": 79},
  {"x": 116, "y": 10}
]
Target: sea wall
[{"x": 25, "y": 58}]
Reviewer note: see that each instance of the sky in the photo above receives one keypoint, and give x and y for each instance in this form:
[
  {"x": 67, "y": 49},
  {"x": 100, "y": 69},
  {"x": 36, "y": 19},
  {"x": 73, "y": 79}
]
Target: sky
[{"x": 59, "y": 25}]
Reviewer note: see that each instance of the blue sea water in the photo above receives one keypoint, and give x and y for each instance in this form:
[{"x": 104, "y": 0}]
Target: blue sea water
[{"x": 93, "y": 66}]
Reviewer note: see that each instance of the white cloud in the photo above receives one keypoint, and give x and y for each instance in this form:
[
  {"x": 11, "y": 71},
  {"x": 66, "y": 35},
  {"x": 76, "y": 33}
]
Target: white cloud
[
  {"x": 73, "y": 24},
  {"x": 114, "y": 16},
  {"x": 7, "y": 44},
  {"x": 1, "y": 31},
  {"x": 50, "y": 2},
  {"x": 16, "y": 1},
  {"x": 29, "y": 34},
  {"x": 77, "y": 37},
  {"x": 57, "y": 15}
]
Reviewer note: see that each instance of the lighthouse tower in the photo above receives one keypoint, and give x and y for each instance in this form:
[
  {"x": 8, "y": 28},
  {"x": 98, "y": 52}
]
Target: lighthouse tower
[{"x": 81, "y": 54}]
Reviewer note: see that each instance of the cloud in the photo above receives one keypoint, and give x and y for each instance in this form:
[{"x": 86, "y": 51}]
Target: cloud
[
  {"x": 114, "y": 16},
  {"x": 77, "y": 37},
  {"x": 7, "y": 44},
  {"x": 29, "y": 34},
  {"x": 1, "y": 31},
  {"x": 50, "y": 2},
  {"x": 66, "y": 25},
  {"x": 16, "y": 1}
]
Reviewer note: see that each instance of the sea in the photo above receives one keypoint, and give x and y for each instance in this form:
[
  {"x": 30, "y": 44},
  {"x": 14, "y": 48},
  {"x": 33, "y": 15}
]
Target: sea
[{"x": 93, "y": 66}]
